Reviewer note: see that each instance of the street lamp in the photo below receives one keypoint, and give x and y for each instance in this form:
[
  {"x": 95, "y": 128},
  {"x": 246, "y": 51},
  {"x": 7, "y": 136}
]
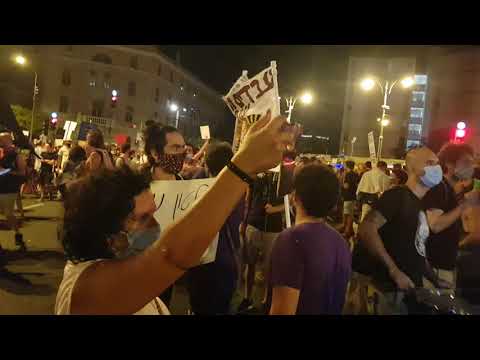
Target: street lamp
[
  {"x": 22, "y": 61},
  {"x": 306, "y": 98},
  {"x": 174, "y": 108},
  {"x": 385, "y": 122},
  {"x": 368, "y": 84},
  {"x": 19, "y": 59}
]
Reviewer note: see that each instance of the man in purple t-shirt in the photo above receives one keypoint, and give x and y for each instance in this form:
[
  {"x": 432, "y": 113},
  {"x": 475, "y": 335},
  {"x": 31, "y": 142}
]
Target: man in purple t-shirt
[{"x": 311, "y": 262}]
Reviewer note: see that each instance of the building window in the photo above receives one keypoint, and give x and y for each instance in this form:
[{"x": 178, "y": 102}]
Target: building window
[
  {"x": 182, "y": 88},
  {"x": 155, "y": 115},
  {"x": 412, "y": 143},
  {"x": 415, "y": 129},
  {"x": 420, "y": 79},
  {"x": 132, "y": 88},
  {"x": 159, "y": 70},
  {"x": 69, "y": 48},
  {"x": 418, "y": 96},
  {"x": 93, "y": 78},
  {"x": 416, "y": 112},
  {"x": 107, "y": 81},
  {"x": 66, "y": 78},
  {"x": 171, "y": 76},
  {"x": 134, "y": 62},
  {"x": 102, "y": 58},
  {"x": 129, "y": 114},
  {"x": 64, "y": 102},
  {"x": 157, "y": 95},
  {"x": 97, "y": 108}
]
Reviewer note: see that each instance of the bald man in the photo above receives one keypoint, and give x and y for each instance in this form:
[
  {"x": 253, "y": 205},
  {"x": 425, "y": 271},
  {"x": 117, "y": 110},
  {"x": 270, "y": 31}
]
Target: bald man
[
  {"x": 395, "y": 233},
  {"x": 10, "y": 183}
]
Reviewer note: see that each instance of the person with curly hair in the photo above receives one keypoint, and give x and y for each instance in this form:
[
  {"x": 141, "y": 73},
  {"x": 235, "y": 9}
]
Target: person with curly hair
[{"x": 105, "y": 207}]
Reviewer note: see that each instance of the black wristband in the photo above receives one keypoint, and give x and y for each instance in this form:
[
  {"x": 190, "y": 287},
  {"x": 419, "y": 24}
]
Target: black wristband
[{"x": 240, "y": 173}]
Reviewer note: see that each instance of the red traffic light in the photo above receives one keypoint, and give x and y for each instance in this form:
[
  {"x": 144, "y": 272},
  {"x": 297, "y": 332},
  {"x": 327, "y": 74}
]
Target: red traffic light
[{"x": 460, "y": 133}]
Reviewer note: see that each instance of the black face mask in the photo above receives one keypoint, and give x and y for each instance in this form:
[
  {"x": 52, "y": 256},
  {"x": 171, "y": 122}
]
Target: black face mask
[{"x": 171, "y": 163}]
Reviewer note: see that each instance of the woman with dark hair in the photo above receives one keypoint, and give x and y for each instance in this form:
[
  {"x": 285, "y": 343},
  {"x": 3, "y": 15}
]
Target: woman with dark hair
[
  {"x": 97, "y": 156},
  {"x": 110, "y": 205}
]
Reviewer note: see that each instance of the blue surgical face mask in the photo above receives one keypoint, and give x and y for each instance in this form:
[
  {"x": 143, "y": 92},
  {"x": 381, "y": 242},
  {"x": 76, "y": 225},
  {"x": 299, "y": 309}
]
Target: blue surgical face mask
[
  {"x": 433, "y": 176},
  {"x": 140, "y": 240}
]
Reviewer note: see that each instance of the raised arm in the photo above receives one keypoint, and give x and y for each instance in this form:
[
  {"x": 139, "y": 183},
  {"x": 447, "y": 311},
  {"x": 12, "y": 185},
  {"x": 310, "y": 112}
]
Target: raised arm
[{"x": 125, "y": 286}]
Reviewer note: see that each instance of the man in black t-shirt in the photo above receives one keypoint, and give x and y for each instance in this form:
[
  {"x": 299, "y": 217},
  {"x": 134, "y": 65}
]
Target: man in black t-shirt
[
  {"x": 444, "y": 211},
  {"x": 261, "y": 229},
  {"x": 395, "y": 232},
  {"x": 349, "y": 194}
]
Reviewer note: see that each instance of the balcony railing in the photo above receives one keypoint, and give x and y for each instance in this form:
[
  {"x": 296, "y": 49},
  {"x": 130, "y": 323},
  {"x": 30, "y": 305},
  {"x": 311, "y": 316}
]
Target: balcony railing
[{"x": 101, "y": 121}]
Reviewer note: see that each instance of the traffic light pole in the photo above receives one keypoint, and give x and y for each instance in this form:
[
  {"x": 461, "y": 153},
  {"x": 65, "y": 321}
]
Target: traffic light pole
[{"x": 33, "y": 108}]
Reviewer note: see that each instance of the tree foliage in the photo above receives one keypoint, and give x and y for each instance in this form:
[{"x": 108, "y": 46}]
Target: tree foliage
[{"x": 24, "y": 118}]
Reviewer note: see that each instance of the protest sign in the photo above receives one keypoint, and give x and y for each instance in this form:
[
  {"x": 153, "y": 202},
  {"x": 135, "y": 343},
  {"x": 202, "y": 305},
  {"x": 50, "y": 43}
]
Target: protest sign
[
  {"x": 69, "y": 128},
  {"x": 205, "y": 132},
  {"x": 249, "y": 99},
  {"x": 174, "y": 198}
]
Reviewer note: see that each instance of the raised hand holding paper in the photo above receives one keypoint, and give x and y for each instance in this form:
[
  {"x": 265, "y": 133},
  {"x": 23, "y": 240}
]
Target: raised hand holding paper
[{"x": 250, "y": 99}]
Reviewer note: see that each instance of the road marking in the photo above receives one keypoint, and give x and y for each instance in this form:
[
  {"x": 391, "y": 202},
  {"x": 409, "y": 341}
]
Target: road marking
[{"x": 32, "y": 206}]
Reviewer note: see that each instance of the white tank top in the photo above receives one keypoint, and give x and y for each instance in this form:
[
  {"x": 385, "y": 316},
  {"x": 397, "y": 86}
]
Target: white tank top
[{"x": 71, "y": 274}]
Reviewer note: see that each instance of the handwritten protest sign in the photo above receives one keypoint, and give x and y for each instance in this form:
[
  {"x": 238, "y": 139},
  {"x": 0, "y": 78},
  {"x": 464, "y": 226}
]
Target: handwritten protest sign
[
  {"x": 174, "y": 198},
  {"x": 205, "y": 132},
  {"x": 249, "y": 99}
]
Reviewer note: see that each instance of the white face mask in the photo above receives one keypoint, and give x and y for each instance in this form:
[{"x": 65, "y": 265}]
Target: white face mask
[{"x": 433, "y": 176}]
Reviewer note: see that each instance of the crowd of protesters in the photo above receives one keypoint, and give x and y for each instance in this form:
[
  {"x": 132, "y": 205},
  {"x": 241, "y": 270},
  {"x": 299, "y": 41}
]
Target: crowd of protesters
[{"x": 402, "y": 225}]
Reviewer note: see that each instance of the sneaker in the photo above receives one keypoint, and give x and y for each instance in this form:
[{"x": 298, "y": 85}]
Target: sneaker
[
  {"x": 19, "y": 242},
  {"x": 245, "y": 305}
]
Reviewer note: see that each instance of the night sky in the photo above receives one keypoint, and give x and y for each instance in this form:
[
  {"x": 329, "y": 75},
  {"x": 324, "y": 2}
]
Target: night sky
[{"x": 321, "y": 69}]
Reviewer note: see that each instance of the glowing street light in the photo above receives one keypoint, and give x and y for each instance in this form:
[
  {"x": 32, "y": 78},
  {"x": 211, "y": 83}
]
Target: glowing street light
[
  {"x": 174, "y": 107},
  {"x": 307, "y": 98},
  {"x": 22, "y": 61},
  {"x": 367, "y": 84},
  {"x": 408, "y": 82}
]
